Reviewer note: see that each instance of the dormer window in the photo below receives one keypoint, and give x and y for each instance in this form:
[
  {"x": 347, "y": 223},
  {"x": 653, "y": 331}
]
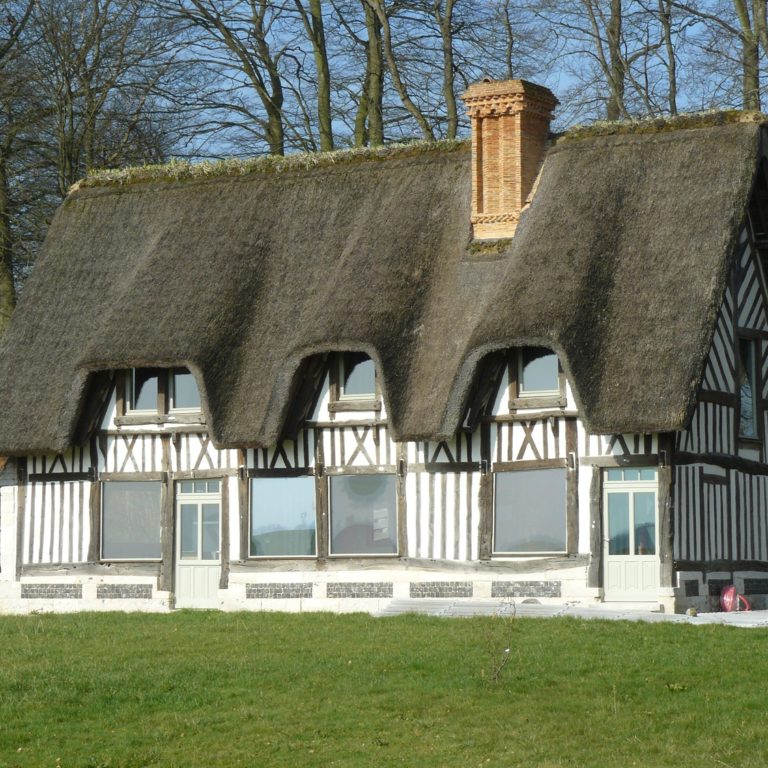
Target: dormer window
[
  {"x": 538, "y": 372},
  {"x": 536, "y": 379},
  {"x": 155, "y": 395},
  {"x": 354, "y": 383},
  {"x": 357, "y": 376},
  {"x": 141, "y": 390},
  {"x": 183, "y": 392}
]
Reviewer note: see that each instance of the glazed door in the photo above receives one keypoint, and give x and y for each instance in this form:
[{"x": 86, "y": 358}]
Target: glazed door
[
  {"x": 631, "y": 542},
  {"x": 198, "y": 550}
]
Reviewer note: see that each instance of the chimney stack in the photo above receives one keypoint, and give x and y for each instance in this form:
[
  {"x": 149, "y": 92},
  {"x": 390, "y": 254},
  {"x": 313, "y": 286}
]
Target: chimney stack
[{"x": 510, "y": 131}]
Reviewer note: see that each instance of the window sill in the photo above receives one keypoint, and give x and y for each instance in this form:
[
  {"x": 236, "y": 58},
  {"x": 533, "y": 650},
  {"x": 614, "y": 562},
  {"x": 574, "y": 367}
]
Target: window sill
[
  {"x": 137, "y": 419},
  {"x": 338, "y": 406},
  {"x": 544, "y": 401}
]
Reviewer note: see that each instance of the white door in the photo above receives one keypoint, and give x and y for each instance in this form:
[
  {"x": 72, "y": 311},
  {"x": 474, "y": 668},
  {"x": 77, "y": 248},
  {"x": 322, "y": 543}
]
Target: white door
[
  {"x": 198, "y": 548},
  {"x": 631, "y": 542}
]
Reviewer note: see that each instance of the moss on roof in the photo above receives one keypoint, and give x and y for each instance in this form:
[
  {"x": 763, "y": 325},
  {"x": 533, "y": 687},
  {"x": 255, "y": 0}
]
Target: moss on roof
[
  {"x": 661, "y": 124},
  {"x": 183, "y": 170}
]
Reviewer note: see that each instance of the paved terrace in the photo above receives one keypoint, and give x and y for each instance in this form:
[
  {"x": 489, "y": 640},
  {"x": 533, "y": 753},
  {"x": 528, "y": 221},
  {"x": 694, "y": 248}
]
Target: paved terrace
[{"x": 621, "y": 611}]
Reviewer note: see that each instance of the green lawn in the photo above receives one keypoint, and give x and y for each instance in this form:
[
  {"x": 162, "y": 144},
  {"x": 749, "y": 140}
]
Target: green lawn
[{"x": 216, "y": 689}]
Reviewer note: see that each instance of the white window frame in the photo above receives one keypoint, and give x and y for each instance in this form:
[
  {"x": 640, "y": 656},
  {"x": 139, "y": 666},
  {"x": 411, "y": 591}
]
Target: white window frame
[
  {"x": 536, "y": 393},
  {"x": 364, "y": 396},
  {"x": 171, "y": 389}
]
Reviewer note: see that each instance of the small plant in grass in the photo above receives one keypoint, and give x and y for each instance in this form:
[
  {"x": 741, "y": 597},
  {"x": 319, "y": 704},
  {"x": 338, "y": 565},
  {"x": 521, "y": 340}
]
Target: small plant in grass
[{"x": 499, "y": 640}]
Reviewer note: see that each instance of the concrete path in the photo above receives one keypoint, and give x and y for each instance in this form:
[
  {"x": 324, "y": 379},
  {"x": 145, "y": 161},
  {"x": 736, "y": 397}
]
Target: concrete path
[{"x": 624, "y": 611}]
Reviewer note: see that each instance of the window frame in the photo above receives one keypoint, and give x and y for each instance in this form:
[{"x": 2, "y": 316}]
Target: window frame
[
  {"x": 509, "y": 470},
  {"x": 163, "y": 412},
  {"x": 520, "y": 398},
  {"x": 329, "y": 516},
  {"x": 339, "y": 401},
  {"x": 255, "y": 474},
  {"x": 754, "y": 341},
  {"x": 126, "y": 479}
]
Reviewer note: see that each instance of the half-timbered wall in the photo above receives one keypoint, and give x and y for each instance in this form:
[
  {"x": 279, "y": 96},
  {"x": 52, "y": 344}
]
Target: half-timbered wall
[
  {"x": 445, "y": 496},
  {"x": 720, "y": 509}
]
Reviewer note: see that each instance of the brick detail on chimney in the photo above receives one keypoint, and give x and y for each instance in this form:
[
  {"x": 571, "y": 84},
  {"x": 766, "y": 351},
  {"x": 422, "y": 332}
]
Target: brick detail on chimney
[{"x": 510, "y": 131}]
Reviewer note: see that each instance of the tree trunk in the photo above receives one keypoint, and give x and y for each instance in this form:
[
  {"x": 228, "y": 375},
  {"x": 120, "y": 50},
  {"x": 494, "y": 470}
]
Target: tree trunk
[
  {"x": 615, "y": 108},
  {"x": 445, "y": 22},
  {"x": 313, "y": 24},
  {"x": 374, "y": 78},
  {"x": 665, "y": 17},
  {"x": 7, "y": 290}
]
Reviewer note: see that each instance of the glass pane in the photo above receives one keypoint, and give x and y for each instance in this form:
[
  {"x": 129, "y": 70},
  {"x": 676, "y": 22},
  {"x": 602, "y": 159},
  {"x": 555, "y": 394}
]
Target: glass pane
[
  {"x": 213, "y": 486},
  {"x": 200, "y": 486},
  {"x": 631, "y": 474},
  {"x": 283, "y": 517},
  {"x": 747, "y": 404},
  {"x": 144, "y": 390},
  {"x": 539, "y": 371},
  {"x": 210, "y": 531},
  {"x": 645, "y": 522},
  {"x": 647, "y": 474},
  {"x": 614, "y": 474},
  {"x": 618, "y": 523},
  {"x": 184, "y": 389},
  {"x": 186, "y": 486},
  {"x": 358, "y": 375},
  {"x": 363, "y": 515},
  {"x": 530, "y": 511},
  {"x": 188, "y": 534},
  {"x": 130, "y": 520}
]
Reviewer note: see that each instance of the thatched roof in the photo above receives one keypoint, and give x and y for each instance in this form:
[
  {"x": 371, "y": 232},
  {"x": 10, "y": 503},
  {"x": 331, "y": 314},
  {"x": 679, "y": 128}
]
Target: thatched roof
[{"x": 619, "y": 265}]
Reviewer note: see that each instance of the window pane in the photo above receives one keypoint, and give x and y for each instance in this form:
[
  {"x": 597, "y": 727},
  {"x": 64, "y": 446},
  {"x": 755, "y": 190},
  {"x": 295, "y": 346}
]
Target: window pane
[
  {"x": 213, "y": 486},
  {"x": 539, "y": 371},
  {"x": 618, "y": 523},
  {"x": 363, "y": 515},
  {"x": 747, "y": 389},
  {"x": 645, "y": 523},
  {"x": 130, "y": 520},
  {"x": 189, "y": 533},
  {"x": 614, "y": 474},
  {"x": 631, "y": 474},
  {"x": 210, "y": 531},
  {"x": 186, "y": 486},
  {"x": 647, "y": 474},
  {"x": 283, "y": 517},
  {"x": 358, "y": 375},
  {"x": 143, "y": 396},
  {"x": 530, "y": 511},
  {"x": 184, "y": 389}
]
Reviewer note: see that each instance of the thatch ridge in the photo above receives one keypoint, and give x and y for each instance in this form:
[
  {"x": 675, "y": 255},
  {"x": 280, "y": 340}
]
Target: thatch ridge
[
  {"x": 184, "y": 170},
  {"x": 618, "y": 265}
]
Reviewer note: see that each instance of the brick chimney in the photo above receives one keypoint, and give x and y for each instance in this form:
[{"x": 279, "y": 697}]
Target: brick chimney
[{"x": 510, "y": 130}]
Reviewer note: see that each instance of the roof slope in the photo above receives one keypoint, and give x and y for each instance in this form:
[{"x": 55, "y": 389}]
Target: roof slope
[{"x": 619, "y": 264}]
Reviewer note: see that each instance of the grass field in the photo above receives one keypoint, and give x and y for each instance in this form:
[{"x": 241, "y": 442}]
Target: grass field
[{"x": 216, "y": 689}]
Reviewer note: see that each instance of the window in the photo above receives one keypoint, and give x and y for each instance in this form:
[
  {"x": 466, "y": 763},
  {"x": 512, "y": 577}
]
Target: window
[
  {"x": 535, "y": 379},
  {"x": 283, "y": 519},
  {"x": 357, "y": 376},
  {"x": 153, "y": 393},
  {"x": 748, "y": 390},
  {"x": 538, "y": 372},
  {"x": 529, "y": 511},
  {"x": 184, "y": 395},
  {"x": 363, "y": 514},
  {"x": 141, "y": 389},
  {"x": 354, "y": 385},
  {"x": 130, "y": 520}
]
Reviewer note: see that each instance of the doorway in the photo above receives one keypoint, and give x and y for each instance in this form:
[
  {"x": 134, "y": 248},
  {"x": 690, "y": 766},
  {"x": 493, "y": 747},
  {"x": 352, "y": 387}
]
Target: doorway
[
  {"x": 631, "y": 539},
  {"x": 198, "y": 543}
]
